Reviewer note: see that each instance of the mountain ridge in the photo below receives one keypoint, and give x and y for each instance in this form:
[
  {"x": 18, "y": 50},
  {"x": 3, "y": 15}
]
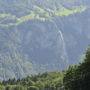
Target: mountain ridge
[{"x": 39, "y": 36}]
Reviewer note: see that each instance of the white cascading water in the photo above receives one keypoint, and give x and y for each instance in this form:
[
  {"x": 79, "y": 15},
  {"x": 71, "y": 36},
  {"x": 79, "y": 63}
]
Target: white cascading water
[{"x": 63, "y": 43}]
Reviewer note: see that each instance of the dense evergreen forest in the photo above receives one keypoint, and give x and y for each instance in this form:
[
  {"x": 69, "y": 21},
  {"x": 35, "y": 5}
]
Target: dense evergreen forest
[
  {"x": 75, "y": 78},
  {"x": 45, "y": 81},
  {"x": 78, "y": 77}
]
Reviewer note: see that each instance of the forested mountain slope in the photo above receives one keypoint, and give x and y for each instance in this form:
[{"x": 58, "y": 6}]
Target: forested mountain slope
[{"x": 38, "y": 36}]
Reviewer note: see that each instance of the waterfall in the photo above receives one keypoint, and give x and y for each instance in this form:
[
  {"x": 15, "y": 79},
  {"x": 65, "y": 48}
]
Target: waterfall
[{"x": 63, "y": 43}]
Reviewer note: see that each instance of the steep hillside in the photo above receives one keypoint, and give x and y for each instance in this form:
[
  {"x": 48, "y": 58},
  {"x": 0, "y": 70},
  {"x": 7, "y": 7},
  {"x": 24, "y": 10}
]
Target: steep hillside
[{"x": 38, "y": 36}]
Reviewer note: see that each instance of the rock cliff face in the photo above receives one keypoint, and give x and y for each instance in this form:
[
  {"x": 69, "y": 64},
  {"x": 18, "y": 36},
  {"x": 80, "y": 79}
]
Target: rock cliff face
[{"x": 38, "y": 36}]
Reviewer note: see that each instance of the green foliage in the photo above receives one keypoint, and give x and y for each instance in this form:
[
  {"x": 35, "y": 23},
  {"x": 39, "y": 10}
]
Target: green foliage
[
  {"x": 33, "y": 88},
  {"x": 44, "y": 81},
  {"x": 14, "y": 87},
  {"x": 40, "y": 85},
  {"x": 2, "y": 87},
  {"x": 43, "y": 15},
  {"x": 18, "y": 87},
  {"x": 78, "y": 77},
  {"x": 75, "y": 78},
  {"x": 69, "y": 78}
]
